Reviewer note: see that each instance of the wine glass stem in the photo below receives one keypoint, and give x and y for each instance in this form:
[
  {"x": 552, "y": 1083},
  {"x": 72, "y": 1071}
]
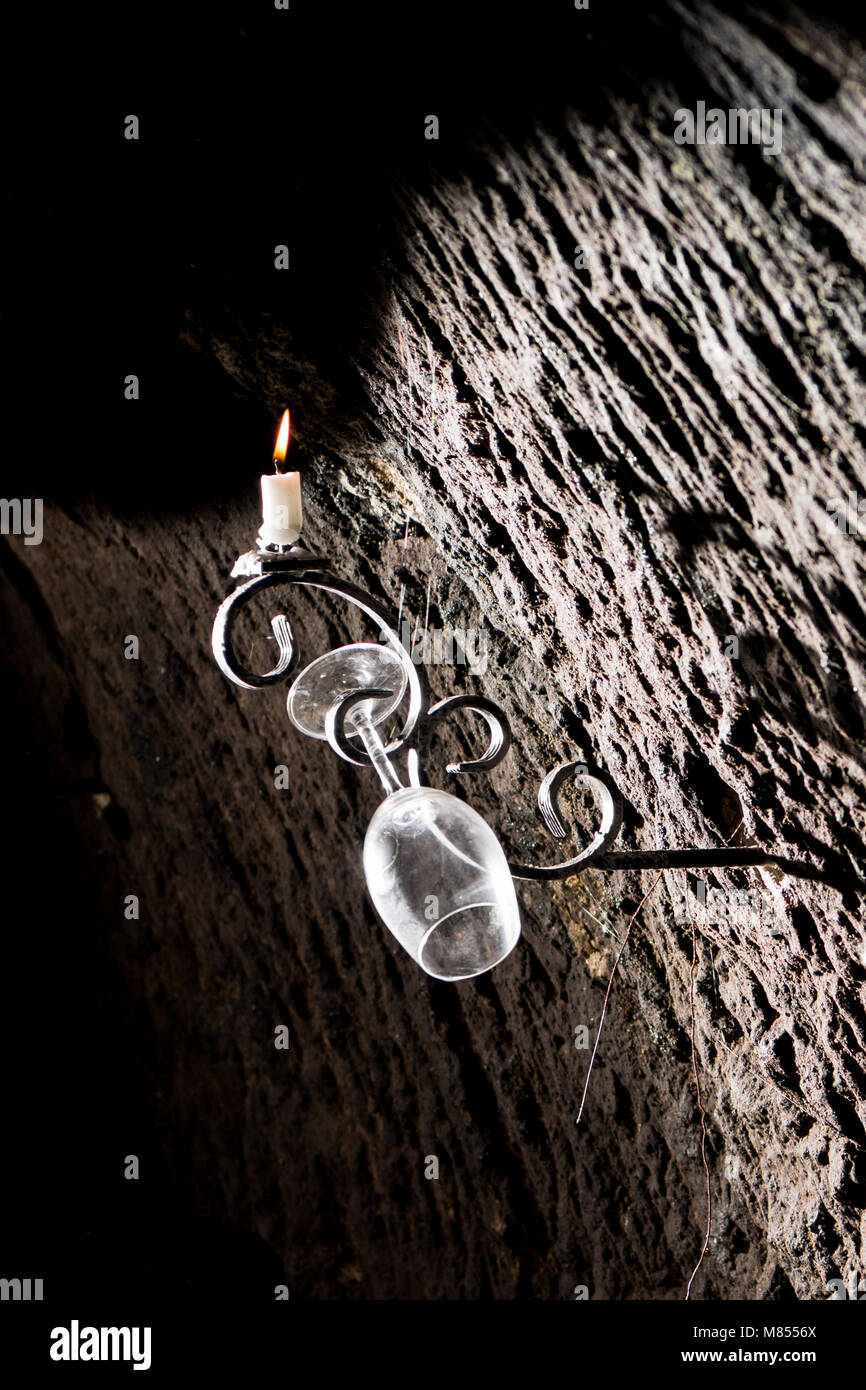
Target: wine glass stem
[{"x": 376, "y": 749}]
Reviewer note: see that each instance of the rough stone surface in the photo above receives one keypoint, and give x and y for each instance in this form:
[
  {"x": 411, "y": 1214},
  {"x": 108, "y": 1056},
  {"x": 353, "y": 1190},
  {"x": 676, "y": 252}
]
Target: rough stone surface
[{"x": 617, "y": 470}]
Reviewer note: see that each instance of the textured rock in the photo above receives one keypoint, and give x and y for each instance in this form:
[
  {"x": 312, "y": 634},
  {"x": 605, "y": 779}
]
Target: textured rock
[{"x": 616, "y": 470}]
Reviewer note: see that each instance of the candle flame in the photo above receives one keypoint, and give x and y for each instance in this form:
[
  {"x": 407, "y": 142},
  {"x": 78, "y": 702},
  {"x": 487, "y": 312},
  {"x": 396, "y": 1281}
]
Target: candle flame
[{"x": 282, "y": 444}]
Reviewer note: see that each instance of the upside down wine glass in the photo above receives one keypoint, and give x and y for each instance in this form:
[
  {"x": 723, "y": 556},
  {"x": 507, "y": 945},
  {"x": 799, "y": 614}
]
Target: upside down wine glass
[{"x": 435, "y": 871}]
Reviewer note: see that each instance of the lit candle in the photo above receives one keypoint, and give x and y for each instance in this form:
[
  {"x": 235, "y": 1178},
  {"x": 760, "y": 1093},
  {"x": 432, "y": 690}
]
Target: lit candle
[{"x": 281, "y": 497}]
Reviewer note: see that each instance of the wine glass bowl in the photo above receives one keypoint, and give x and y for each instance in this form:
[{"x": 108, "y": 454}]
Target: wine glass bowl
[{"x": 439, "y": 880}]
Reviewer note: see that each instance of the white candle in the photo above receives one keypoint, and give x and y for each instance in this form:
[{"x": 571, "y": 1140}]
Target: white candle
[
  {"x": 281, "y": 508},
  {"x": 282, "y": 517}
]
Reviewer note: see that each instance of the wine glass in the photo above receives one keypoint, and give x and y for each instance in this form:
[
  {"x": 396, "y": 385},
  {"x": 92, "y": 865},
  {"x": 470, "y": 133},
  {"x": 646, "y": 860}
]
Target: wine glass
[{"x": 435, "y": 871}]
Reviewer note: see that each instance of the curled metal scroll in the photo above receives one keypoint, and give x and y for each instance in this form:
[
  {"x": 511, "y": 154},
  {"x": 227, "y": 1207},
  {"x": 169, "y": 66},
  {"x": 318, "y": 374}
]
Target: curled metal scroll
[
  {"x": 598, "y": 854},
  {"x": 265, "y": 572},
  {"x": 603, "y": 787},
  {"x": 223, "y": 630},
  {"x": 497, "y": 723}
]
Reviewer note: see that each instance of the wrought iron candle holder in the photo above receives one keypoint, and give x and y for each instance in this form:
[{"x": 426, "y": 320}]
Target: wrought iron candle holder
[{"x": 436, "y": 872}]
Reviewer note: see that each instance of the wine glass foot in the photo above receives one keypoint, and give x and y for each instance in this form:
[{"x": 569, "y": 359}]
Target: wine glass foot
[{"x": 327, "y": 680}]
